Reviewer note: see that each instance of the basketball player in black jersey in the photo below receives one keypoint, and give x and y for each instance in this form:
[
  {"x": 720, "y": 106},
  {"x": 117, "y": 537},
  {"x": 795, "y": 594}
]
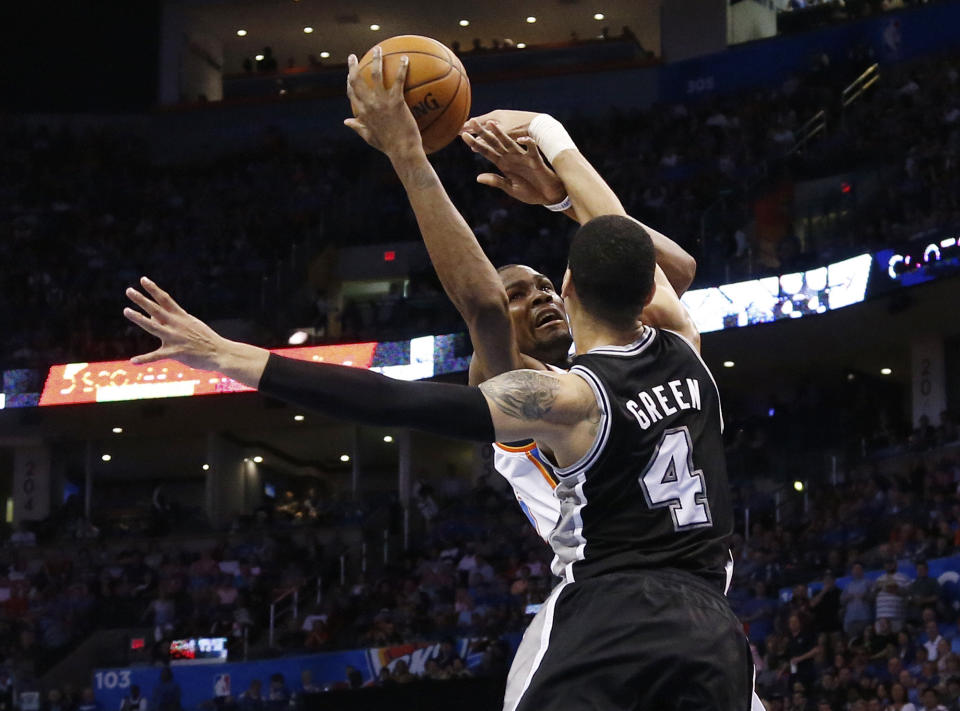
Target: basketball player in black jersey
[
  {"x": 639, "y": 620},
  {"x": 515, "y": 316}
]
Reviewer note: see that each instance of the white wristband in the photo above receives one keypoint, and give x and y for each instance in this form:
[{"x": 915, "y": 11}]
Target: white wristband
[
  {"x": 560, "y": 206},
  {"x": 551, "y": 137}
]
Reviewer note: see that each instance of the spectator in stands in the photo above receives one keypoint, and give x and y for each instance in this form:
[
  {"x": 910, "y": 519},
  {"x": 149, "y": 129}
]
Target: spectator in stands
[
  {"x": 133, "y": 701},
  {"x": 825, "y": 606},
  {"x": 856, "y": 600},
  {"x": 932, "y": 639},
  {"x": 6, "y": 689},
  {"x": 252, "y": 699},
  {"x": 278, "y": 695},
  {"x": 924, "y": 592},
  {"x": 166, "y": 694},
  {"x": 401, "y": 672},
  {"x": 899, "y": 700},
  {"x": 801, "y": 649},
  {"x": 88, "y": 701},
  {"x": 890, "y": 591},
  {"x": 354, "y": 678},
  {"x": 163, "y": 613},
  {"x": 931, "y": 700},
  {"x": 758, "y": 613}
]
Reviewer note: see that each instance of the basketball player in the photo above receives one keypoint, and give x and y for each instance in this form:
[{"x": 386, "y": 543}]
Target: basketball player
[
  {"x": 639, "y": 620},
  {"x": 514, "y": 315}
]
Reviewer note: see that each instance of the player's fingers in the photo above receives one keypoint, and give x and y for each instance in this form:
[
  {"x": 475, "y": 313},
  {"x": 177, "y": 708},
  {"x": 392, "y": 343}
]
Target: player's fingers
[
  {"x": 401, "y": 79},
  {"x": 494, "y": 181},
  {"x": 160, "y": 296},
  {"x": 376, "y": 67},
  {"x": 492, "y": 140},
  {"x": 533, "y": 151},
  {"x": 352, "y": 93},
  {"x": 151, "y": 357},
  {"x": 147, "y": 324},
  {"x": 358, "y": 126},
  {"x": 148, "y": 305},
  {"x": 351, "y": 68},
  {"x": 478, "y": 145},
  {"x": 473, "y": 124},
  {"x": 508, "y": 143}
]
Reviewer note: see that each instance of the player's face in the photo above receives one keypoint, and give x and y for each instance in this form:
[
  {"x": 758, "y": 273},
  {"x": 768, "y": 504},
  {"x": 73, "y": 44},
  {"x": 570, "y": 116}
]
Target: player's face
[{"x": 538, "y": 316}]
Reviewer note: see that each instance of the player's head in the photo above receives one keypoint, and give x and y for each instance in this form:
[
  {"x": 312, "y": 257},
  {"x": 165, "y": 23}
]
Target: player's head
[
  {"x": 537, "y": 312},
  {"x": 610, "y": 271}
]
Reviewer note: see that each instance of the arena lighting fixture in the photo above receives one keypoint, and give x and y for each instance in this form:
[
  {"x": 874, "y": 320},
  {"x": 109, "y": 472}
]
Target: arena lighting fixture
[
  {"x": 259, "y": 57},
  {"x": 798, "y": 485},
  {"x": 344, "y": 457},
  {"x": 375, "y": 27},
  {"x": 205, "y": 467},
  {"x": 258, "y": 459},
  {"x": 246, "y": 459},
  {"x": 298, "y": 418},
  {"x": 298, "y": 337},
  {"x": 307, "y": 30},
  {"x": 324, "y": 55},
  {"x": 521, "y": 45},
  {"x": 885, "y": 371},
  {"x": 106, "y": 457},
  {"x": 728, "y": 364},
  {"x": 117, "y": 430},
  {"x": 598, "y": 16},
  {"x": 531, "y": 19},
  {"x": 464, "y": 23},
  {"x": 388, "y": 439},
  {"x": 241, "y": 33}
]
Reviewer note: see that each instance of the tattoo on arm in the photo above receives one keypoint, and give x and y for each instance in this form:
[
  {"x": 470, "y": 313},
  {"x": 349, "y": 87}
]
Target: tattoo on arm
[
  {"x": 594, "y": 416},
  {"x": 524, "y": 394},
  {"x": 423, "y": 177}
]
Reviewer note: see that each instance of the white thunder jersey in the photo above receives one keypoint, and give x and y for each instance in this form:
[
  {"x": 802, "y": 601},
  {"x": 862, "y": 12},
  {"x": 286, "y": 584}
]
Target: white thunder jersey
[{"x": 533, "y": 481}]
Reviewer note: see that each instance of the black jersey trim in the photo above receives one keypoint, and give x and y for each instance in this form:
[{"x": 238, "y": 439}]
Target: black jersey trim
[
  {"x": 631, "y": 349},
  {"x": 603, "y": 433},
  {"x": 706, "y": 368}
]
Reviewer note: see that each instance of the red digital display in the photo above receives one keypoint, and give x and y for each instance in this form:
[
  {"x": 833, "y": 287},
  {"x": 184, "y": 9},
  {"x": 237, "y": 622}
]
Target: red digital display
[
  {"x": 116, "y": 380},
  {"x": 389, "y": 256}
]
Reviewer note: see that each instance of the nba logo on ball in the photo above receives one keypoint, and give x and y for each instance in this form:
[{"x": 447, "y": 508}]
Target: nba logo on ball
[{"x": 436, "y": 89}]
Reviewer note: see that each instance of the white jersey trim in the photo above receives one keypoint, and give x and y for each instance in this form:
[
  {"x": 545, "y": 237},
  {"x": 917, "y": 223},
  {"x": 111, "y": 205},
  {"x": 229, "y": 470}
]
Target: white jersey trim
[
  {"x": 544, "y": 642},
  {"x": 706, "y": 368},
  {"x": 603, "y": 432}
]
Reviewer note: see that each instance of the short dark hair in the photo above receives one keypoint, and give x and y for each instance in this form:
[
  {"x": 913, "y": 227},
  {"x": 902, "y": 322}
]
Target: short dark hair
[{"x": 612, "y": 263}]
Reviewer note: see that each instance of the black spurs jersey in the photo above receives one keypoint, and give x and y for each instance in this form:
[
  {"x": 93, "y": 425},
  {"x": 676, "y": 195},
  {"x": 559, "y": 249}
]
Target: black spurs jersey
[{"x": 652, "y": 491}]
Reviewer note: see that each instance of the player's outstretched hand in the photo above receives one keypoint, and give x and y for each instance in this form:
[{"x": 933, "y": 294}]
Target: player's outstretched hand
[
  {"x": 183, "y": 337},
  {"x": 526, "y": 177},
  {"x": 383, "y": 118},
  {"x": 513, "y": 123}
]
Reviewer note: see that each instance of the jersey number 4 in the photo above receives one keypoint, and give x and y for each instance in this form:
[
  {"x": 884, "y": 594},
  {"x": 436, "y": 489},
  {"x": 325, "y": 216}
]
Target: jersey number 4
[{"x": 670, "y": 481}]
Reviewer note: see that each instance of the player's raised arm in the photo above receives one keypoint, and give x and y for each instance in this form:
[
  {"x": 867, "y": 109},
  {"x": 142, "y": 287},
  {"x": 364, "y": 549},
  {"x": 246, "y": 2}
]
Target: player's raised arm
[
  {"x": 494, "y": 136},
  {"x": 468, "y": 277},
  {"x": 561, "y": 408}
]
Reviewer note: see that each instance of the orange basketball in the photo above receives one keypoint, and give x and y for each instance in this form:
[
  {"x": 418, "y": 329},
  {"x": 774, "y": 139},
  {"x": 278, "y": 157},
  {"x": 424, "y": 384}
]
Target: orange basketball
[{"x": 437, "y": 89}]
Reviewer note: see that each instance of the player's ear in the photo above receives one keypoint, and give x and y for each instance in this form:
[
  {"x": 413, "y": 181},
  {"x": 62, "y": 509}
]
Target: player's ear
[
  {"x": 653, "y": 292},
  {"x": 566, "y": 285}
]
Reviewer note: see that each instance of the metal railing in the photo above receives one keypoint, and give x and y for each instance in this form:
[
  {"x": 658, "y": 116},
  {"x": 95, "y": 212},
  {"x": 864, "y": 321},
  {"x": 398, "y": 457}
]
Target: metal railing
[
  {"x": 859, "y": 86},
  {"x": 816, "y": 125},
  {"x": 287, "y": 605}
]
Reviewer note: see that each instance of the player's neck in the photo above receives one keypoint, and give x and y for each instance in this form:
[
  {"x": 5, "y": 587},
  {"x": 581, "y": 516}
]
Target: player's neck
[{"x": 592, "y": 335}]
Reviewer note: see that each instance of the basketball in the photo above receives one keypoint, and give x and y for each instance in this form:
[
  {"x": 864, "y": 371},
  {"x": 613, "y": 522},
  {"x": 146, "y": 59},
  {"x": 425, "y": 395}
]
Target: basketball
[{"x": 437, "y": 89}]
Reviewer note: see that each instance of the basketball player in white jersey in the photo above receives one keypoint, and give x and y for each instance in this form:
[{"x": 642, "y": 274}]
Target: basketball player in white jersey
[{"x": 515, "y": 316}]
